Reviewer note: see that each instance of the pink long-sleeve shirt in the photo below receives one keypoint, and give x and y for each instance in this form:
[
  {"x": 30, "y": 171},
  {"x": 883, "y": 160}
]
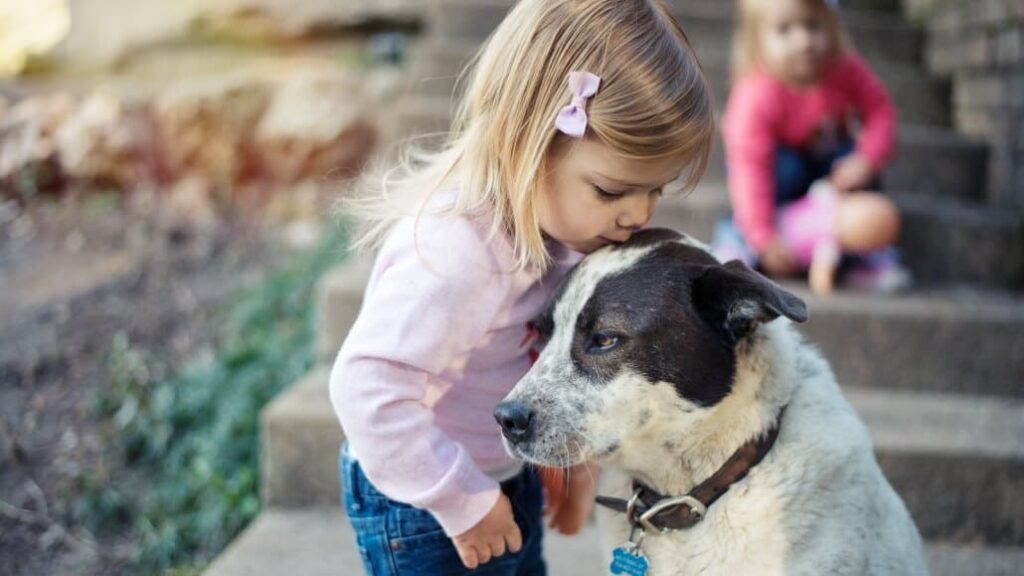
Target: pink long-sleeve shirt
[
  {"x": 763, "y": 114},
  {"x": 440, "y": 340}
]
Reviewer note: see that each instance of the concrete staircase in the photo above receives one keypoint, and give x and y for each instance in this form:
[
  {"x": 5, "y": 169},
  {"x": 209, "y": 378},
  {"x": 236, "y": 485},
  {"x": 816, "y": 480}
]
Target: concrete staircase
[{"x": 937, "y": 374}]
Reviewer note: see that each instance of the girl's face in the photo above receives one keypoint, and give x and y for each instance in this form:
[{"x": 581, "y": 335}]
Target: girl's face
[
  {"x": 794, "y": 41},
  {"x": 593, "y": 196}
]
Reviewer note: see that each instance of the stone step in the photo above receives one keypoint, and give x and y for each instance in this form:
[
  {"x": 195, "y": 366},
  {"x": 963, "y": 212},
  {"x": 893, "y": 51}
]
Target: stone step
[
  {"x": 709, "y": 25},
  {"x": 957, "y": 459},
  {"x": 943, "y": 241},
  {"x": 960, "y": 341},
  {"x": 919, "y": 97},
  {"x": 929, "y": 160},
  {"x": 887, "y": 9},
  {"x": 299, "y": 443},
  {"x": 706, "y": 22},
  {"x": 320, "y": 542},
  {"x": 950, "y": 340}
]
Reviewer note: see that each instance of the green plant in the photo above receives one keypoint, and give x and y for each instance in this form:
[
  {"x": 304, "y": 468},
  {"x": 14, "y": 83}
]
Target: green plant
[{"x": 181, "y": 474}]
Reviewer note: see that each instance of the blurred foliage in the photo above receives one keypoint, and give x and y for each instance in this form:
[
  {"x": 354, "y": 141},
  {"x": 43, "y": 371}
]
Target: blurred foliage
[{"x": 181, "y": 476}]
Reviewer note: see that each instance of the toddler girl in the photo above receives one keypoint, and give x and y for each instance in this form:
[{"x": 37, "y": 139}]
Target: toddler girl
[
  {"x": 797, "y": 89},
  {"x": 577, "y": 115}
]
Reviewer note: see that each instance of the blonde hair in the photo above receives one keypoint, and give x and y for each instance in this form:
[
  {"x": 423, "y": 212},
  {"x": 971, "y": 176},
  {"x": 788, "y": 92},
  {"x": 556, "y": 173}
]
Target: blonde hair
[
  {"x": 653, "y": 103},
  {"x": 746, "y": 41}
]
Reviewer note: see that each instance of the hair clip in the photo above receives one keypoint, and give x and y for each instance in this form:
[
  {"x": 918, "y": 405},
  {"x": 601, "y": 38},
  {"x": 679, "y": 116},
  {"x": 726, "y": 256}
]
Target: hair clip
[{"x": 572, "y": 120}]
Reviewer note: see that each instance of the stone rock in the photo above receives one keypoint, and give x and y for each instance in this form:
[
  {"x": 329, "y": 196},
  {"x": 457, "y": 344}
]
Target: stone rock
[
  {"x": 316, "y": 124},
  {"x": 105, "y": 32},
  {"x": 207, "y": 125},
  {"x": 106, "y": 139},
  {"x": 27, "y": 140}
]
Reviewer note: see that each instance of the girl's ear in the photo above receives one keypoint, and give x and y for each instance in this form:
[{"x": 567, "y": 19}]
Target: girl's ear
[{"x": 736, "y": 300}]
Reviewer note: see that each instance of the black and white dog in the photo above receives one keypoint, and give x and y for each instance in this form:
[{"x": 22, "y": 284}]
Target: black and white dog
[{"x": 726, "y": 444}]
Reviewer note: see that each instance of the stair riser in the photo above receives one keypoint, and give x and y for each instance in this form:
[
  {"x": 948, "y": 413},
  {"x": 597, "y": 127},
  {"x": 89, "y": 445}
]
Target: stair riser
[
  {"x": 924, "y": 351},
  {"x": 947, "y": 248},
  {"x": 915, "y": 353},
  {"x": 880, "y": 44},
  {"x": 707, "y": 28},
  {"x": 937, "y": 248},
  {"x": 921, "y": 165},
  {"x": 300, "y": 461},
  {"x": 949, "y": 497},
  {"x": 960, "y": 499},
  {"x": 919, "y": 99},
  {"x": 320, "y": 542}
]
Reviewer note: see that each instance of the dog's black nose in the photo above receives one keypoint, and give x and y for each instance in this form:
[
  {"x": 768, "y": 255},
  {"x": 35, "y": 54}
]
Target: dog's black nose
[{"x": 515, "y": 419}]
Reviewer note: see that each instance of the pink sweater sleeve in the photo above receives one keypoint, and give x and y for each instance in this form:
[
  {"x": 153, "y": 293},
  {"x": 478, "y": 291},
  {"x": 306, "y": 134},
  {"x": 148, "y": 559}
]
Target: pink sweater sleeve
[
  {"x": 427, "y": 305},
  {"x": 748, "y": 133},
  {"x": 878, "y": 116}
]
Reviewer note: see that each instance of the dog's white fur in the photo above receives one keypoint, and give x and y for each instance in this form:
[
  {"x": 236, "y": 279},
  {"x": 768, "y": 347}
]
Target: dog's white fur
[{"x": 817, "y": 504}]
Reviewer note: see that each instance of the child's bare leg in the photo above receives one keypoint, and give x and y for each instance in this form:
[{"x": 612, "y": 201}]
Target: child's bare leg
[{"x": 822, "y": 273}]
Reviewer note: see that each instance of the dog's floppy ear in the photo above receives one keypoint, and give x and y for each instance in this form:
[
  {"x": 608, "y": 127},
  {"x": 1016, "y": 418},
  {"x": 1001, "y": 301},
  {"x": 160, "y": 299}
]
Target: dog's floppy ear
[{"x": 736, "y": 300}]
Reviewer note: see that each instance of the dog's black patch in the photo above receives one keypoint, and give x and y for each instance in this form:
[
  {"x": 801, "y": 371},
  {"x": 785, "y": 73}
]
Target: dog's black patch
[
  {"x": 736, "y": 300},
  {"x": 649, "y": 308},
  {"x": 676, "y": 315}
]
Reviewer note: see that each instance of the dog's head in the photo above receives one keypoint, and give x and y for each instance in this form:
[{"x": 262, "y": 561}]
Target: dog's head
[{"x": 641, "y": 338}]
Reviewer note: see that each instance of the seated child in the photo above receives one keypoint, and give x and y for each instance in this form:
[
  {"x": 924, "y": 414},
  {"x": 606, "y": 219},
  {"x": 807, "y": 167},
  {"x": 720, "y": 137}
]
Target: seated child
[{"x": 798, "y": 88}]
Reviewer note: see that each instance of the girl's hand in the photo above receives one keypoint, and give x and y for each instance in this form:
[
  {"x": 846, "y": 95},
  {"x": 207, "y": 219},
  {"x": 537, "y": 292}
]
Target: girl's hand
[
  {"x": 777, "y": 260},
  {"x": 852, "y": 172},
  {"x": 491, "y": 537},
  {"x": 570, "y": 496}
]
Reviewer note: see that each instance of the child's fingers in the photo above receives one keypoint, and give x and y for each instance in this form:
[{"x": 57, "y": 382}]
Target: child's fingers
[
  {"x": 483, "y": 553},
  {"x": 514, "y": 540},
  {"x": 468, "y": 555},
  {"x": 497, "y": 547}
]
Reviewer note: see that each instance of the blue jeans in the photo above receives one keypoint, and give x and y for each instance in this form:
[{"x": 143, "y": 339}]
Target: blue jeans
[{"x": 396, "y": 539}]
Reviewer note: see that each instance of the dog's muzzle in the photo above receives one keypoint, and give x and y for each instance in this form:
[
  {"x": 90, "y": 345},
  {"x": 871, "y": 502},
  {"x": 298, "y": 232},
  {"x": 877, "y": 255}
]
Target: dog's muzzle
[{"x": 515, "y": 420}]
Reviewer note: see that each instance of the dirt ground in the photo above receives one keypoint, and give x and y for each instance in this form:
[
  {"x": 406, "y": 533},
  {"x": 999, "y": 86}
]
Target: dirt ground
[{"x": 74, "y": 273}]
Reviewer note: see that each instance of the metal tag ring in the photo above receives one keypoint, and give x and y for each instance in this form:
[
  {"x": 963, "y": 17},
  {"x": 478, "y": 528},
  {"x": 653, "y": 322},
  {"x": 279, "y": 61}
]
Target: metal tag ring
[
  {"x": 631, "y": 508},
  {"x": 696, "y": 506}
]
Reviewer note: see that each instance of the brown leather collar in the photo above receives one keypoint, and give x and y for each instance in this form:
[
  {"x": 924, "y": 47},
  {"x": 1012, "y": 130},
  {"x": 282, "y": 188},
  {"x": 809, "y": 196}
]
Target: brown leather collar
[{"x": 653, "y": 511}]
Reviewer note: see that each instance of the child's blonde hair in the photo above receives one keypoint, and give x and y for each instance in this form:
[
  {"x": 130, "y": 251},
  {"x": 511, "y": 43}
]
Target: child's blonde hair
[
  {"x": 653, "y": 103},
  {"x": 746, "y": 42}
]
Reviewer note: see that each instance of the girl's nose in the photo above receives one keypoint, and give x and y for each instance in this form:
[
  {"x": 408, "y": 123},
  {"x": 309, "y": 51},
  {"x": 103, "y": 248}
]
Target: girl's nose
[
  {"x": 802, "y": 38},
  {"x": 638, "y": 212}
]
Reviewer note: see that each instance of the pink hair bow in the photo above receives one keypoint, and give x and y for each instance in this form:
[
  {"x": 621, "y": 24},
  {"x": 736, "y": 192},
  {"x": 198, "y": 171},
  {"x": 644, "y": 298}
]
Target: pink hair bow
[{"x": 572, "y": 120}]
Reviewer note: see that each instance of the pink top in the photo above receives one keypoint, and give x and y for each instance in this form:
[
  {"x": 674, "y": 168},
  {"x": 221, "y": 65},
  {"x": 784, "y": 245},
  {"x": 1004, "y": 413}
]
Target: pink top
[
  {"x": 440, "y": 340},
  {"x": 763, "y": 113}
]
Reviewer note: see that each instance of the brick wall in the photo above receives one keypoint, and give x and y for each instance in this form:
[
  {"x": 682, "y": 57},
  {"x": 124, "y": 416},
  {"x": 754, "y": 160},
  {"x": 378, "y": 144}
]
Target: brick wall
[{"x": 980, "y": 45}]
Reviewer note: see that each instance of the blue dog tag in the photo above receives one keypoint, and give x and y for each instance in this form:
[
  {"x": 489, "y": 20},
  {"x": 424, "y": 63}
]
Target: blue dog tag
[{"x": 628, "y": 560}]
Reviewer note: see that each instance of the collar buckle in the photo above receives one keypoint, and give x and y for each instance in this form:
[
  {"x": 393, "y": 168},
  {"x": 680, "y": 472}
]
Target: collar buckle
[{"x": 697, "y": 509}]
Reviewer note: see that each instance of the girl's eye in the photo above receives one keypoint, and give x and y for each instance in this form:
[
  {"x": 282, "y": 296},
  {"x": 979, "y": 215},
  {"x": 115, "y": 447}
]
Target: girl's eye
[
  {"x": 603, "y": 342},
  {"x": 607, "y": 194}
]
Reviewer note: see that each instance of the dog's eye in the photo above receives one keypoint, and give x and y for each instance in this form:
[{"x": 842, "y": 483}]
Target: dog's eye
[{"x": 602, "y": 342}]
